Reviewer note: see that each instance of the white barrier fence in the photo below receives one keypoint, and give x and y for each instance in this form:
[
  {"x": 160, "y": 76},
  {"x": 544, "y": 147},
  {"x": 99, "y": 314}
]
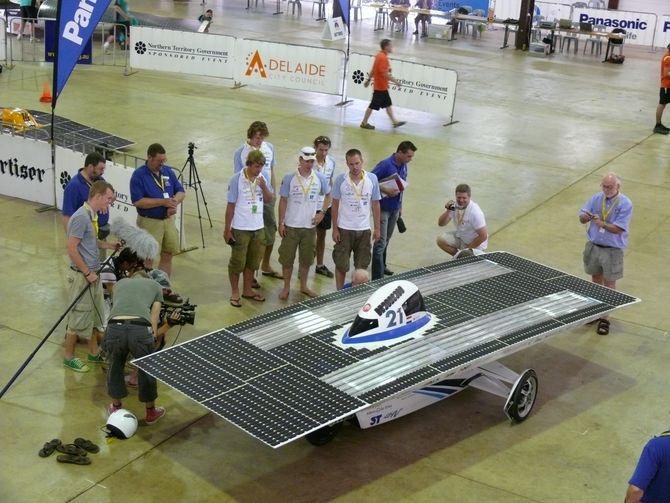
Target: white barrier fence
[
  {"x": 424, "y": 88},
  {"x": 302, "y": 68}
]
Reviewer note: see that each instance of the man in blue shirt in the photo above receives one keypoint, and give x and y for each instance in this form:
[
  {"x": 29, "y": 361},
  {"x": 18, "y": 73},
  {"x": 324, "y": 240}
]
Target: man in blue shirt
[
  {"x": 651, "y": 481},
  {"x": 608, "y": 214},
  {"x": 77, "y": 189},
  {"x": 156, "y": 193},
  {"x": 388, "y": 171}
]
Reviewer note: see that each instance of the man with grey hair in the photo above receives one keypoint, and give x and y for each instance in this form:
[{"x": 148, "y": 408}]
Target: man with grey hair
[{"x": 608, "y": 214}]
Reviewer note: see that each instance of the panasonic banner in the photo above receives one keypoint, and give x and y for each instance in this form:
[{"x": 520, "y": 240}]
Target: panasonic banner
[
  {"x": 425, "y": 88},
  {"x": 76, "y": 23},
  {"x": 640, "y": 26},
  {"x": 182, "y": 52},
  {"x": 291, "y": 66}
]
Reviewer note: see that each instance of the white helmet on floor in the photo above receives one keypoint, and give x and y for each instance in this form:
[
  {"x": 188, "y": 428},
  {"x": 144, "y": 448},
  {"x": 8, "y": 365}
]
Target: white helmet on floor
[{"x": 122, "y": 423}]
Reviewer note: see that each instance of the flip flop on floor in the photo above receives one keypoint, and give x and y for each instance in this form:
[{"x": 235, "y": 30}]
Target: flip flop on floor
[
  {"x": 49, "y": 448},
  {"x": 72, "y": 449},
  {"x": 75, "y": 460},
  {"x": 272, "y": 274},
  {"x": 255, "y": 297},
  {"x": 603, "y": 327},
  {"x": 235, "y": 302},
  {"x": 87, "y": 445},
  {"x": 255, "y": 284}
]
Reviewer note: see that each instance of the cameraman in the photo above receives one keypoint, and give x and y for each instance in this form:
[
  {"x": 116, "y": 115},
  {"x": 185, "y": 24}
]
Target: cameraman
[{"x": 132, "y": 328}]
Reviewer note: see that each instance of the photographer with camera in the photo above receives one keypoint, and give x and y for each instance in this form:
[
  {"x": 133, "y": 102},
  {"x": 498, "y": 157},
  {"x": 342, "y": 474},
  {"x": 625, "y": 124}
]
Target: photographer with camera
[
  {"x": 471, "y": 232},
  {"x": 132, "y": 329}
]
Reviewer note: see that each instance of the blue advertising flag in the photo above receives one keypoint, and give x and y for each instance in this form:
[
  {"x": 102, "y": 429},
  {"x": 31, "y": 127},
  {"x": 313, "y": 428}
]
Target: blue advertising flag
[
  {"x": 345, "y": 6},
  {"x": 76, "y": 22}
]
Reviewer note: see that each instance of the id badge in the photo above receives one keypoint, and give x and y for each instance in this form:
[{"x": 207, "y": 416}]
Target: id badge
[
  {"x": 254, "y": 209},
  {"x": 601, "y": 230},
  {"x": 166, "y": 195}
]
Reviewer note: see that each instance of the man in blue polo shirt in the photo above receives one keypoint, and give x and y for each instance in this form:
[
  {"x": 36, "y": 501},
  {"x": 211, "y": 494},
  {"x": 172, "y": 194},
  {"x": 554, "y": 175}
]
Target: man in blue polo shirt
[
  {"x": 156, "y": 193},
  {"x": 77, "y": 189},
  {"x": 387, "y": 172},
  {"x": 651, "y": 481},
  {"x": 608, "y": 214}
]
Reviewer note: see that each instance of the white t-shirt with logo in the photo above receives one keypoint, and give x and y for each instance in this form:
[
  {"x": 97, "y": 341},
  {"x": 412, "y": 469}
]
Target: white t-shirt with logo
[
  {"x": 327, "y": 170},
  {"x": 468, "y": 222},
  {"x": 268, "y": 151},
  {"x": 355, "y": 200},
  {"x": 303, "y": 196},
  {"x": 248, "y": 199}
]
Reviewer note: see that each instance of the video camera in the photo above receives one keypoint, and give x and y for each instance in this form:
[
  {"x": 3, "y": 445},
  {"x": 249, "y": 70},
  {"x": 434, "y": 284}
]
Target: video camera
[{"x": 179, "y": 315}]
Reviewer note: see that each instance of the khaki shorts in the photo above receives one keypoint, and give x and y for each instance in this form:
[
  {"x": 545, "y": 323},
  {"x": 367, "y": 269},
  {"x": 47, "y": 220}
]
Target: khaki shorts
[
  {"x": 88, "y": 312},
  {"x": 453, "y": 240},
  {"x": 163, "y": 231},
  {"x": 298, "y": 238},
  {"x": 605, "y": 262},
  {"x": 270, "y": 224},
  {"x": 356, "y": 241},
  {"x": 246, "y": 251}
]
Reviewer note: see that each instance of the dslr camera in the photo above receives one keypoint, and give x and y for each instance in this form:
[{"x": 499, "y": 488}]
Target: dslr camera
[{"x": 179, "y": 315}]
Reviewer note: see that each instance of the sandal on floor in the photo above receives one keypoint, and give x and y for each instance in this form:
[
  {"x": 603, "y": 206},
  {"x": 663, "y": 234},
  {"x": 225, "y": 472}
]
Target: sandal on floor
[
  {"x": 235, "y": 302},
  {"x": 603, "y": 327},
  {"x": 255, "y": 297},
  {"x": 87, "y": 445},
  {"x": 255, "y": 284},
  {"x": 71, "y": 449},
  {"x": 272, "y": 274},
  {"x": 75, "y": 460},
  {"x": 49, "y": 448}
]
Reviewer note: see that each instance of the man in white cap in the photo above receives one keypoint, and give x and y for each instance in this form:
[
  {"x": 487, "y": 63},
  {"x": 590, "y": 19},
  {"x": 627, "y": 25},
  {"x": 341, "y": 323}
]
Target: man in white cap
[{"x": 300, "y": 210}]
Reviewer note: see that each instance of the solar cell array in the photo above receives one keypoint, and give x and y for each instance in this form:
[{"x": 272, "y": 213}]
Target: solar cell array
[
  {"x": 72, "y": 134},
  {"x": 282, "y": 375}
]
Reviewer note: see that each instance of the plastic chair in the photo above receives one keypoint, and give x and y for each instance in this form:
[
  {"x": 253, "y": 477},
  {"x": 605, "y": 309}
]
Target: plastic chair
[
  {"x": 597, "y": 4},
  {"x": 357, "y": 9},
  {"x": 321, "y": 5},
  {"x": 616, "y": 43},
  {"x": 474, "y": 25},
  {"x": 596, "y": 43}
]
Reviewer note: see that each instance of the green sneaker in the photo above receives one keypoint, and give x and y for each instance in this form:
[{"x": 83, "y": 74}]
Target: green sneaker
[
  {"x": 76, "y": 364},
  {"x": 95, "y": 359}
]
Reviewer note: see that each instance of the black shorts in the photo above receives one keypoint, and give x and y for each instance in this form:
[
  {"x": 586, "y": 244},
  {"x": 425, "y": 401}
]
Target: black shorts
[
  {"x": 29, "y": 12},
  {"x": 325, "y": 222},
  {"x": 664, "y": 96},
  {"x": 380, "y": 99}
]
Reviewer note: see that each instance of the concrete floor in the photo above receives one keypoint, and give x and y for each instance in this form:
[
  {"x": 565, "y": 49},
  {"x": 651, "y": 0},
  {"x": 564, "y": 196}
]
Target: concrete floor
[{"x": 534, "y": 138}]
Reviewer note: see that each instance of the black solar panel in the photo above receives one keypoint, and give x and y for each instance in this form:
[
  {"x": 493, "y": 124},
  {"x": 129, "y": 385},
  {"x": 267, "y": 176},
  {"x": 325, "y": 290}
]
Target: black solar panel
[{"x": 283, "y": 374}]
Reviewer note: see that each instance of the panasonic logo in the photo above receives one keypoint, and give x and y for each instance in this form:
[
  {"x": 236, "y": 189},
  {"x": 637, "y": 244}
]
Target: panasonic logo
[
  {"x": 614, "y": 23},
  {"x": 82, "y": 17}
]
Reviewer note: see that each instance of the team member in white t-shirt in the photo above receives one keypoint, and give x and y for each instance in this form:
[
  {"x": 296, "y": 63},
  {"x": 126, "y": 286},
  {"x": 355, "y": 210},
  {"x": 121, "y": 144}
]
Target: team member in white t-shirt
[
  {"x": 303, "y": 195},
  {"x": 355, "y": 198},
  {"x": 471, "y": 232},
  {"x": 325, "y": 164},
  {"x": 247, "y": 192},
  {"x": 256, "y": 135}
]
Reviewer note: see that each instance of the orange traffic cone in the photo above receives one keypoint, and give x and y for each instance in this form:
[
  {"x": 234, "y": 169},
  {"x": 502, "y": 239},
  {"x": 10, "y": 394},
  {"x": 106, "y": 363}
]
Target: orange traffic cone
[{"x": 46, "y": 94}]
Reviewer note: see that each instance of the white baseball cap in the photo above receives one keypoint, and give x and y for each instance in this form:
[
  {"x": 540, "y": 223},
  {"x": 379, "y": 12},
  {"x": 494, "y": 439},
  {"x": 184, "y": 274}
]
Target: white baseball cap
[{"x": 308, "y": 153}]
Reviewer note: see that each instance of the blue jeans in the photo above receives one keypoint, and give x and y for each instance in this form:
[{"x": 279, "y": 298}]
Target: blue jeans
[{"x": 388, "y": 220}]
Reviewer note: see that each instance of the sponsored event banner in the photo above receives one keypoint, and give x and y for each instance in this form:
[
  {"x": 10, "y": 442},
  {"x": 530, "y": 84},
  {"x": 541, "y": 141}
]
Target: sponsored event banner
[
  {"x": 290, "y": 66},
  {"x": 424, "y": 88},
  {"x": 193, "y": 53},
  {"x": 25, "y": 169}
]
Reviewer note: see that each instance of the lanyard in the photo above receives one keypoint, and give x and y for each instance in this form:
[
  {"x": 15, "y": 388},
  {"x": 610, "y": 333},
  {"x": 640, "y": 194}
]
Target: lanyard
[
  {"x": 460, "y": 215},
  {"x": 358, "y": 194},
  {"x": 160, "y": 184},
  {"x": 94, "y": 218},
  {"x": 252, "y": 185},
  {"x": 305, "y": 190},
  {"x": 604, "y": 214}
]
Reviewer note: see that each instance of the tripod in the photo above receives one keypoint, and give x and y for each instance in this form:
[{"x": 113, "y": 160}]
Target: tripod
[{"x": 195, "y": 184}]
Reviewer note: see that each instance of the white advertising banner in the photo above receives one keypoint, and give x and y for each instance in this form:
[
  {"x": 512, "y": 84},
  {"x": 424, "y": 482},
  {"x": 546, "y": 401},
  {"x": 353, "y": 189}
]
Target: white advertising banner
[
  {"x": 640, "y": 26},
  {"x": 505, "y": 9},
  {"x": 551, "y": 10},
  {"x": 289, "y": 66},
  {"x": 182, "y": 52},
  {"x": 25, "y": 169},
  {"x": 425, "y": 88},
  {"x": 68, "y": 164},
  {"x": 663, "y": 32}
]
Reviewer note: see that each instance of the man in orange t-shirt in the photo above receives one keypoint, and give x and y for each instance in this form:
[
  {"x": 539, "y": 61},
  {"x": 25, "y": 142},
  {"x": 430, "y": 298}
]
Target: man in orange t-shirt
[
  {"x": 380, "y": 75},
  {"x": 665, "y": 93}
]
